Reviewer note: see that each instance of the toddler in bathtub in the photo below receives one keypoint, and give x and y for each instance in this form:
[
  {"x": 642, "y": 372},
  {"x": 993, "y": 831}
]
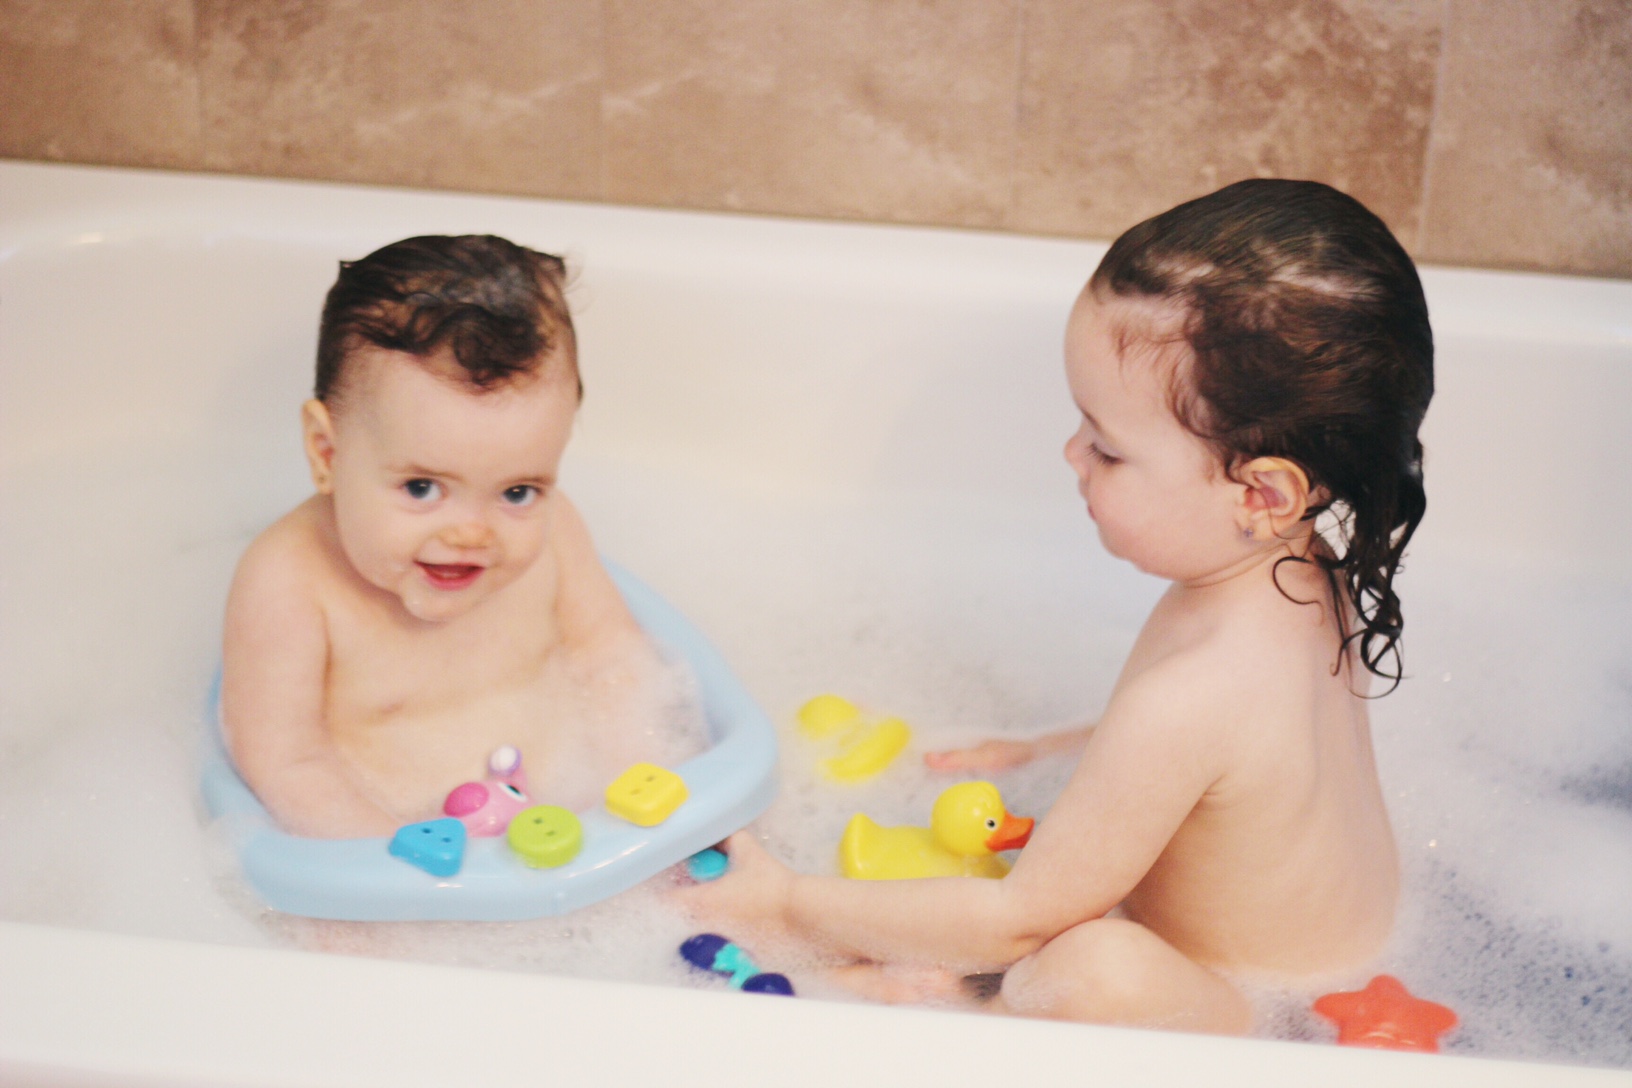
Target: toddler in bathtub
[
  {"x": 1251, "y": 369},
  {"x": 438, "y": 597}
]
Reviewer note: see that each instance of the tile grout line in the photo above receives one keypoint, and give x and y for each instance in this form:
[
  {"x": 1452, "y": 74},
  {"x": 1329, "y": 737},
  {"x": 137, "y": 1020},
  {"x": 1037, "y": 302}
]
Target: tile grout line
[
  {"x": 1009, "y": 210},
  {"x": 201, "y": 151},
  {"x": 1425, "y": 196},
  {"x": 600, "y": 103}
]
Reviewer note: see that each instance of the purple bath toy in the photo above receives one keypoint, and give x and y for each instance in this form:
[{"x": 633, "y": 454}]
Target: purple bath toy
[{"x": 712, "y": 952}]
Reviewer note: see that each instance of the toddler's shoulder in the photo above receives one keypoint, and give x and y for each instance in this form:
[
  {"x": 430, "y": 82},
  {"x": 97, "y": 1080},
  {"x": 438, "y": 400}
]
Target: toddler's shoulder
[{"x": 1186, "y": 686}]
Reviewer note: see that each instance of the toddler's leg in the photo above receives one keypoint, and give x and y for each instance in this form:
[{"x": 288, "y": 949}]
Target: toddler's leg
[
  {"x": 1113, "y": 971},
  {"x": 897, "y": 985}
]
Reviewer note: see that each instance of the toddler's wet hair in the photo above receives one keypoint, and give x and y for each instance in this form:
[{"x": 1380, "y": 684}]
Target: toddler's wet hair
[
  {"x": 497, "y": 306},
  {"x": 1310, "y": 341}
]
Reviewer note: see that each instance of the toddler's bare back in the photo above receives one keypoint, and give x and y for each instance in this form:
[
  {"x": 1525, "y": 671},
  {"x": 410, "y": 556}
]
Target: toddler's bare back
[{"x": 1287, "y": 862}]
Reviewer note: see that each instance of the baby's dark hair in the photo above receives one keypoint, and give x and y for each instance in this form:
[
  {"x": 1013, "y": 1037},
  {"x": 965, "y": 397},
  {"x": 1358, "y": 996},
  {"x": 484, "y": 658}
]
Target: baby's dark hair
[
  {"x": 499, "y": 307},
  {"x": 1310, "y": 338}
]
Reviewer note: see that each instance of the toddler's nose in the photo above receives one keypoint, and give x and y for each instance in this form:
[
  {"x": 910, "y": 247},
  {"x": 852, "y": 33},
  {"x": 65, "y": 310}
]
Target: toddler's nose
[{"x": 1074, "y": 455}]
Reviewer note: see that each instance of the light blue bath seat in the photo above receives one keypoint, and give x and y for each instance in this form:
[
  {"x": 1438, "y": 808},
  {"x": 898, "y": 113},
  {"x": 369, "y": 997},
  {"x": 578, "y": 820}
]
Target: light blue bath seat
[{"x": 358, "y": 880}]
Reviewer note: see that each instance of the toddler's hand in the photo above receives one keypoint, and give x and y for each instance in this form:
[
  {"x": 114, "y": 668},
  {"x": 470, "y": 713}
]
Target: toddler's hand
[
  {"x": 993, "y": 755},
  {"x": 753, "y": 895}
]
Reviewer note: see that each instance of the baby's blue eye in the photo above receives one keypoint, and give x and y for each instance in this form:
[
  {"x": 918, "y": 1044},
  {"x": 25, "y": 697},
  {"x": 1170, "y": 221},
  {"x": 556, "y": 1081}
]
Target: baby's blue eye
[
  {"x": 422, "y": 490},
  {"x": 520, "y": 495}
]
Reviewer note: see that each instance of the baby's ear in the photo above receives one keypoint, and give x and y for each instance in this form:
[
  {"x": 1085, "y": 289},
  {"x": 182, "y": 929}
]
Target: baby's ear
[
  {"x": 1276, "y": 496},
  {"x": 317, "y": 433}
]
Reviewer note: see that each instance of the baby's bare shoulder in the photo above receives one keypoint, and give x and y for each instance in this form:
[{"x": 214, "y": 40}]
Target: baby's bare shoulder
[
  {"x": 275, "y": 638},
  {"x": 288, "y": 561}
]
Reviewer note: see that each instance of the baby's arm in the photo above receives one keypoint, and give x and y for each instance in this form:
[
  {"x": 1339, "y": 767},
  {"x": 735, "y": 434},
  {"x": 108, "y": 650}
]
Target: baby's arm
[
  {"x": 1005, "y": 754},
  {"x": 275, "y": 655},
  {"x": 1146, "y": 765}
]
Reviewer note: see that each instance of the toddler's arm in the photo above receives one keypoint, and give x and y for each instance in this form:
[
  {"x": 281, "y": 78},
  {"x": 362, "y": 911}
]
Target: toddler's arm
[
  {"x": 1005, "y": 754},
  {"x": 275, "y": 654},
  {"x": 1147, "y": 763}
]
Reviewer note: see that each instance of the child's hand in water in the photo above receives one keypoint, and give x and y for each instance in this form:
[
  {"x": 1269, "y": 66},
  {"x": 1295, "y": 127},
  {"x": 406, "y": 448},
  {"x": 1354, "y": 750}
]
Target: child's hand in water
[
  {"x": 753, "y": 896},
  {"x": 1004, "y": 755},
  {"x": 992, "y": 755}
]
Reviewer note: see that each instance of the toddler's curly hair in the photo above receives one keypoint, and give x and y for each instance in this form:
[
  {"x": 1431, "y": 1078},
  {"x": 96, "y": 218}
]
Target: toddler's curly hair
[{"x": 1310, "y": 340}]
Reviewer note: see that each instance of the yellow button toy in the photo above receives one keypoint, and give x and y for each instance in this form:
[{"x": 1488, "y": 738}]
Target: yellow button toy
[
  {"x": 645, "y": 794},
  {"x": 545, "y": 836}
]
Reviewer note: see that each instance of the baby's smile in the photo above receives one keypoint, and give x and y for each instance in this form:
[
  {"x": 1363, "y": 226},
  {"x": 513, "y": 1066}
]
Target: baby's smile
[{"x": 451, "y": 575}]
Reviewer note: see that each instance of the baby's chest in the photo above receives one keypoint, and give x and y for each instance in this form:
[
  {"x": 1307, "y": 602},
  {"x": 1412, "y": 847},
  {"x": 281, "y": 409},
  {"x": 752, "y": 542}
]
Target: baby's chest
[
  {"x": 414, "y": 726},
  {"x": 382, "y": 669}
]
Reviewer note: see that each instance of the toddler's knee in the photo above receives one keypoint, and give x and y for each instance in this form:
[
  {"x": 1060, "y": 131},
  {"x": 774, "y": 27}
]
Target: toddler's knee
[
  {"x": 1084, "y": 972},
  {"x": 1112, "y": 971}
]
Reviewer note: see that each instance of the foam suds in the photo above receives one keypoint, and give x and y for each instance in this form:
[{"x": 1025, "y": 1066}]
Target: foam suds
[{"x": 1504, "y": 755}]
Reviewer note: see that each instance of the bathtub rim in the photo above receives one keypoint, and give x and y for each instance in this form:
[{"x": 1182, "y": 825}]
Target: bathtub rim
[
  {"x": 203, "y": 1023},
  {"x": 46, "y": 203}
]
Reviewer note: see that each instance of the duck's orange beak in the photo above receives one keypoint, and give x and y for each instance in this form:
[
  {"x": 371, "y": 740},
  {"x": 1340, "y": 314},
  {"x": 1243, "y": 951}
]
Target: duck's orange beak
[{"x": 1012, "y": 834}]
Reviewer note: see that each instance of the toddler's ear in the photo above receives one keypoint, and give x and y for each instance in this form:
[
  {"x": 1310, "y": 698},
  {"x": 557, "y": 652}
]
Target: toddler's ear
[
  {"x": 1275, "y": 496},
  {"x": 317, "y": 431}
]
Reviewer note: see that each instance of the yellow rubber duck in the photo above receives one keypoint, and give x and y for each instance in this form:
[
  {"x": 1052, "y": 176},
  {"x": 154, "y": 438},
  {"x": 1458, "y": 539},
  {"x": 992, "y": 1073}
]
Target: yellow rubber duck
[{"x": 968, "y": 826}]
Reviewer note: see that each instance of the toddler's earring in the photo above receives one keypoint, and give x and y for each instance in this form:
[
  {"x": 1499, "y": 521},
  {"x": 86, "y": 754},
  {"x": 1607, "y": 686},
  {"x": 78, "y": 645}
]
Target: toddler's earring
[{"x": 1247, "y": 533}]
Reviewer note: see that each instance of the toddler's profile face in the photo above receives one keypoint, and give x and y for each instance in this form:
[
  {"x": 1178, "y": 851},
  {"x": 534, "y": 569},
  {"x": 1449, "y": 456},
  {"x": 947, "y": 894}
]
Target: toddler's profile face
[
  {"x": 439, "y": 488},
  {"x": 1155, "y": 491}
]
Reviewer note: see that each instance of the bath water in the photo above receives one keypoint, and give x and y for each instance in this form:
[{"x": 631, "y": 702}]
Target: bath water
[{"x": 1503, "y": 755}]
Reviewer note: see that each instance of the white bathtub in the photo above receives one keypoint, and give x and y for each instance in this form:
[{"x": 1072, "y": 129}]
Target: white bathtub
[{"x": 785, "y": 423}]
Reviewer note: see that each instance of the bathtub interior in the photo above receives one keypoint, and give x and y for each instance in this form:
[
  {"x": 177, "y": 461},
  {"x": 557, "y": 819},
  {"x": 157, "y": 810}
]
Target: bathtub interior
[{"x": 836, "y": 448}]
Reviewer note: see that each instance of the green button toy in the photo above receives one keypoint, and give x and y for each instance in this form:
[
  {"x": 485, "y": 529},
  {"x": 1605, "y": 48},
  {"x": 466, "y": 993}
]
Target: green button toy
[{"x": 545, "y": 836}]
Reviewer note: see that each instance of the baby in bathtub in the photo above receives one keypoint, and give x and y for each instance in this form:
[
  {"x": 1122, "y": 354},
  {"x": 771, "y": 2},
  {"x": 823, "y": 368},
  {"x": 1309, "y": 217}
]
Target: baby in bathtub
[
  {"x": 1251, "y": 369},
  {"x": 439, "y": 596}
]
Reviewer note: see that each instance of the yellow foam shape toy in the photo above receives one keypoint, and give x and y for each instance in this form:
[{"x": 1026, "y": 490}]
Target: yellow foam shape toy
[
  {"x": 645, "y": 794},
  {"x": 875, "y": 750},
  {"x": 827, "y": 715},
  {"x": 968, "y": 827}
]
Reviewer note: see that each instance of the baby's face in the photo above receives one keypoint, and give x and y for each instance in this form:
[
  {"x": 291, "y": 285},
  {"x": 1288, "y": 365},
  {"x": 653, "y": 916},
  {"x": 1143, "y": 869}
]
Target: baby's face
[
  {"x": 1155, "y": 491},
  {"x": 438, "y": 489}
]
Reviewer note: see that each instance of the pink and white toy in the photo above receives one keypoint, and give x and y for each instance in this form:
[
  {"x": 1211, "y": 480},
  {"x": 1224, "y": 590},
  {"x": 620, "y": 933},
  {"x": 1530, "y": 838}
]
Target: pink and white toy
[{"x": 486, "y": 807}]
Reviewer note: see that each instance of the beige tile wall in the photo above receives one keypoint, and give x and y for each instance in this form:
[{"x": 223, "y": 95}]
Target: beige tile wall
[{"x": 1487, "y": 132}]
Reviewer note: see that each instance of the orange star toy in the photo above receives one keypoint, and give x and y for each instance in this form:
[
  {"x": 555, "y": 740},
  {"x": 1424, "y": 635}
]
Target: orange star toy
[{"x": 1386, "y": 1015}]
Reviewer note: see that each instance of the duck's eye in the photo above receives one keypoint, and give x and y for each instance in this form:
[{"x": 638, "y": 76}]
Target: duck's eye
[
  {"x": 422, "y": 490},
  {"x": 991, "y": 823},
  {"x": 512, "y": 791}
]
